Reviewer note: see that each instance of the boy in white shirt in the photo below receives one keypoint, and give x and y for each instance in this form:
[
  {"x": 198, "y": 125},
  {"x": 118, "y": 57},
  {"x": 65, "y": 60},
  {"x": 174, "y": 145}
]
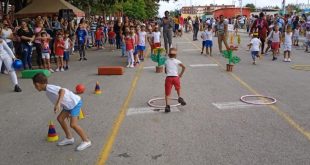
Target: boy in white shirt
[
  {"x": 288, "y": 41},
  {"x": 204, "y": 39},
  {"x": 209, "y": 41},
  {"x": 71, "y": 105},
  {"x": 173, "y": 77},
  {"x": 141, "y": 44},
  {"x": 156, "y": 38},
  {"x": 254, "y": 46}
]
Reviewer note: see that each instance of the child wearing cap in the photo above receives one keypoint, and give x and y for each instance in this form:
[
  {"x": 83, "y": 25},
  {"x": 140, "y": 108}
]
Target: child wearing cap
[
  {"x": 255, "y": 45},
  {"x": 173, "y": 77}
]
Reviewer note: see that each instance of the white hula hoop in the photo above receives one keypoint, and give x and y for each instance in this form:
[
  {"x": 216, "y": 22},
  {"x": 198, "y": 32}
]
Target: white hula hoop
[
  {"x": 273, "y": 100},
  {"x": 150, "y": 103}
]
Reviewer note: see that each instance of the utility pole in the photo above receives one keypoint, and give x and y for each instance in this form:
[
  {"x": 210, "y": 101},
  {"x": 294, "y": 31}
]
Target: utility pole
[{"x": 241, "y": 7}]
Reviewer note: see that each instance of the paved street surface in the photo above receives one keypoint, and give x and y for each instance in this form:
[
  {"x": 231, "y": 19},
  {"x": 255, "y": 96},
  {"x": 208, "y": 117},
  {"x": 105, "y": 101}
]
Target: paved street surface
[{"x": 214, "y": 128}]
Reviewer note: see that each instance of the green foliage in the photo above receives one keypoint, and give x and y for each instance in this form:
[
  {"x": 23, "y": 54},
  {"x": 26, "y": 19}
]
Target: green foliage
[
  {"x": 231, "y": 58},
  {"x": 135, "y": 9},
  {"x": 251, "y": 6}
]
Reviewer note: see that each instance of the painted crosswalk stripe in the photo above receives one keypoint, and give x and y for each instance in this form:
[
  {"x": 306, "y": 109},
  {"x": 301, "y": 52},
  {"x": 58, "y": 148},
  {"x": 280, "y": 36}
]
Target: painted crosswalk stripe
[
  {"x": 149, "y": 67},
  {"x": 183, "y": 42},
  {"x": 202, "y": 65},
  {"x": 235, "y": 105},
  {"x": 188, "y": 50},
  {"x": 148, "y": 110}
]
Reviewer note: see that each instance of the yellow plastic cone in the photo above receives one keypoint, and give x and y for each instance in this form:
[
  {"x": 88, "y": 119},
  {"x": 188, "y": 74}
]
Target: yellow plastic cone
[{"x": 81, "y": 115}]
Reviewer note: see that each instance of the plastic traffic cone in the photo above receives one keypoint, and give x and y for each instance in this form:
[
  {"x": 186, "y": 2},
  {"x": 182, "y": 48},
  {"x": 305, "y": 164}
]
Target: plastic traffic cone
[
  {"x": 81, "y": 116},
  {"x": 52, "y": 135},
  {"x": 97, "y": 89}
]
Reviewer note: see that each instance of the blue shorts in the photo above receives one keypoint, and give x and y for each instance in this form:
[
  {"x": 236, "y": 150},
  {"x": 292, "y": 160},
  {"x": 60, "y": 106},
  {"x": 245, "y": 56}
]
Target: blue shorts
[
  {"x": 203, "y": 43},
  {"x": 66, "y": 55},
  {"x": 76, "y": 110},
  {"x": 135, "y": 52},
  {"x": 141, "y": 48},
  {"x": 111, "y": 41},
  {"x": 209, "y": 44},
  {"x": 98, "y": 42}
]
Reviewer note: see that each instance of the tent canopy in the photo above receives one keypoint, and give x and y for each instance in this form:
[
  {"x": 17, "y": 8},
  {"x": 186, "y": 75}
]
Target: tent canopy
[{"x": 47, "y": 7}]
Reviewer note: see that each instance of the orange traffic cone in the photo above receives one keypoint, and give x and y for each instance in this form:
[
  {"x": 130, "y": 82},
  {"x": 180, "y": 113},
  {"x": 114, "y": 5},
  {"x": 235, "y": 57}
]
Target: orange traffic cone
[
  {"x": 81, "y": 116},
  {"x": 97, "y": 89},
  {"x": 52, "y": 135}
]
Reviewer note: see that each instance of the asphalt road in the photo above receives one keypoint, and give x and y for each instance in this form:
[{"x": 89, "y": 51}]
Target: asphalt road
[{"x": 214, "y": 128}]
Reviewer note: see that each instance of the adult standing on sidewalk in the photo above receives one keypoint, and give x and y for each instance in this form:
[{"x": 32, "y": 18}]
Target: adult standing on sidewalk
[
  {"x": 260, "y": 25},
  {"x": 221, "y": 30},
  {"x": 167, "y": 24},
  {"x": 196, "y": 28}
]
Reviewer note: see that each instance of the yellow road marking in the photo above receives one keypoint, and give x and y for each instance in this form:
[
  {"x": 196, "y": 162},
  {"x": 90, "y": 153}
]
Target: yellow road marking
[
  {"x": 274, "y": 108},
  {"x": 107, "y": 148}
]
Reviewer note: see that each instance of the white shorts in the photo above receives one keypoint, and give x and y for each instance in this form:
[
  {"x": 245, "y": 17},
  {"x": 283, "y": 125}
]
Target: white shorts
[
  {"x": 45, "y": 56},
  {"x": 287, "y": 47}
]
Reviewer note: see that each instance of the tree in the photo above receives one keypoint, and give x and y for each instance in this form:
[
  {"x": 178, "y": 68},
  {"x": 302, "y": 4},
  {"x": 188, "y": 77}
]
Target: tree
[
  {"x": 276, "y": 7},
  {"x": 251, "y": 6}
]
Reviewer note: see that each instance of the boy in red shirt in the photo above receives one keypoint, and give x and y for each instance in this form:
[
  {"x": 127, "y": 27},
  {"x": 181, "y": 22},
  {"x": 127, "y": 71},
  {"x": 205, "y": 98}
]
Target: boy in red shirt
[
  {"x": 112, "y": 36},
  {"x": 99, "y": 37},
  {"x": 59, "y": 47}
]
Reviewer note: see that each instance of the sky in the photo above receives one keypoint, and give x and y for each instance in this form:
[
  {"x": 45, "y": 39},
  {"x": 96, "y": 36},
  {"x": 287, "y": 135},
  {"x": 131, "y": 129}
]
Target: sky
[{"x": 260, "y": 3}]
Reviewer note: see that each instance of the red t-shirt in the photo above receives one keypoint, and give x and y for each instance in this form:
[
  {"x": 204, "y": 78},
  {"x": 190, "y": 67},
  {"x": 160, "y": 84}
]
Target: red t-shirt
[
  {"x": 59, "y": 49},
  {"x": 111, "y": 34},
  {"x": 129, "y": 41},
  {"x": 98, "y": 34}
]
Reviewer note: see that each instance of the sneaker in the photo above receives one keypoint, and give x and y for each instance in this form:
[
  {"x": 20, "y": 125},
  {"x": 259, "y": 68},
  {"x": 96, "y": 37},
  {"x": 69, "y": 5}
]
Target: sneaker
[
  {"x": 83, "y": 146},
  {"x": 80, "y": 59},
  {"x": 132, "y": 66},
  {"x": 62, "y": 70},
  {"x": 66, "y": 141},
  {"x": 201, "y": 52},
  {"x": 57, "y": 70},
  {"x": 67, "y": 67},
  {"x": 181, "y": 101},
  {"x": 85, "y": 59},
  {"x": 167, "y": 109},
  {"x": 17, "y": 88},
  {"x": 289, "y": 60},
  {"x": 128, "y": 66},
  {"x": 285, "y": 60},
  {"x": 51, "y": 70},
  {"x": 254, "y": 63},
  {"x": 274, "y": 58}
]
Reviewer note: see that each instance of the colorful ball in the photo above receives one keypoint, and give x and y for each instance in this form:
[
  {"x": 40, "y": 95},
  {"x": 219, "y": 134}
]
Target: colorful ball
[
  {"x": 17, "y": 64},
  {"x": 80, "y": 88}
]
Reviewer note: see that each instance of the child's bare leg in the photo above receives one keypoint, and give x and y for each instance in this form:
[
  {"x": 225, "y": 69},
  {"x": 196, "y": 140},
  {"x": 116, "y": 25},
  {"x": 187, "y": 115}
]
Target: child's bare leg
[
  {"x": 61, "y": 62},
  {"x": 210, "y": 51},
  {"x": 167, "y": 99},
  {"x": 61, "y": 119},
  {"x": 78, "y": 129},
  {"x": 58, "y": 62},
  {"x": 48, "y": 63},
  {"x": 288, "y": 54},
  {"x": 202, "y": 49}
]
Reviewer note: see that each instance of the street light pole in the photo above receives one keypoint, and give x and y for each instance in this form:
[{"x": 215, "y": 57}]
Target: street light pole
[{"x": 241, "y": 7}]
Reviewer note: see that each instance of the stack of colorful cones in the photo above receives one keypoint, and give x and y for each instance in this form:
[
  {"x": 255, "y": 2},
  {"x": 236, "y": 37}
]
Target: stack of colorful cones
[
  {"x": 97, "y": 89},
  {"x": 52, "y": 135}
]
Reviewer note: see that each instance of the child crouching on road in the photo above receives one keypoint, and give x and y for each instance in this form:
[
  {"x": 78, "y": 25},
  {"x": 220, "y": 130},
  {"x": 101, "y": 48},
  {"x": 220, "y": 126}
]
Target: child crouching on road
[
  {"x": 71, "y": 105},
  {"x": 173, "y": 77}
]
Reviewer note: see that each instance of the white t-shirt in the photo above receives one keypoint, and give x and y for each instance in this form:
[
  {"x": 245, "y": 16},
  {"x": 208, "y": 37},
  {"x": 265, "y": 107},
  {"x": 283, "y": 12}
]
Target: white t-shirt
[
  {"x": 156, "y": 36},
  {"x": 67, "y": 44},
  {"x": 172, "y": 65},
  {"x": 209, "y": 35},
  {"x": 274, "y": 36},
  {"x": 288, "y": 38},
  {"x": 255, "y": 44},
  {"x": 6, "y": 34},
  {"x": 204, "y": 35},
  {"x": 69, "y": 101},
  {"x": 142, "y": 38},
  {"x": 296, "y": 32}
]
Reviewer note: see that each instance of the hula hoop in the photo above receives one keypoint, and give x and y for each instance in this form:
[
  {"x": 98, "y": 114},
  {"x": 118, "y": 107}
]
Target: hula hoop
[
  {"x": 301, "y": 67},
  {"x": 150, "y": 103},
  {"x": 257, "y": 103}
]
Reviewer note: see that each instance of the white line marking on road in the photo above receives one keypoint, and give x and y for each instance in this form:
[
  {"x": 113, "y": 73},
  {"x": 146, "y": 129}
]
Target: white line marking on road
[
  {"x": 202, "y": 65},
  {"x": 145, "y": 110},
  {"x": 188, "y": 50},
  {"x": 149, "y": 67},
  {"x": 235, "y": 105},
  {"x": 183, "y": 42}
]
